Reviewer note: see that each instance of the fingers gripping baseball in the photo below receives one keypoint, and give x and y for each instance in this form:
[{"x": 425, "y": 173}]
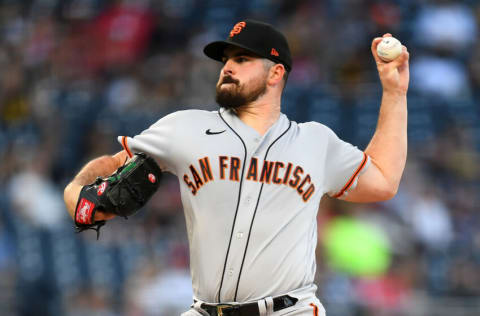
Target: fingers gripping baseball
[{"x": 394, "y": 75}]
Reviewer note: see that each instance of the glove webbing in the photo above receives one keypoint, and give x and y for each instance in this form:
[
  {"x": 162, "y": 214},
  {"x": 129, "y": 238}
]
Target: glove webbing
[{"x": 99, "y": 224}]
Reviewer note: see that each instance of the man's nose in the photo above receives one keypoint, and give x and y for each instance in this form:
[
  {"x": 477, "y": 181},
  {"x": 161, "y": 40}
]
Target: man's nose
[{"x": 228, "y": 68}]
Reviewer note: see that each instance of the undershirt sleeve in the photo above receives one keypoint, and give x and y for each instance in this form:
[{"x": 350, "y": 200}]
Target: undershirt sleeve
[{"x": 344, "y": 163}]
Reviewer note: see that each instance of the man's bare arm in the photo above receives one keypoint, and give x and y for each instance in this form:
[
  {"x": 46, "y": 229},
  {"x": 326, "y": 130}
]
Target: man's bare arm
[
  {"x": 388, "y": 147},
  {"x": 99, "y": 167}
]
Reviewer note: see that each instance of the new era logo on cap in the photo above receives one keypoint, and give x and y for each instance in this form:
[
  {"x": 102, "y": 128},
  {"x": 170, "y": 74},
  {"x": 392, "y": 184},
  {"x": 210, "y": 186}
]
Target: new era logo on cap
[{"x": 274, "y": 52}]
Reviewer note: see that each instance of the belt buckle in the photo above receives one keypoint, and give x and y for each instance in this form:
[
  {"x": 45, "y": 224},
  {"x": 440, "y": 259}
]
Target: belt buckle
[{"x": 220, "y": 308}]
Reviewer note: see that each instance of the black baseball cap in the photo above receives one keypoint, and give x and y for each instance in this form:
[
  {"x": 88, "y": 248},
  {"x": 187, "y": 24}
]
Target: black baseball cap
[{"x": 257, "y": 37}]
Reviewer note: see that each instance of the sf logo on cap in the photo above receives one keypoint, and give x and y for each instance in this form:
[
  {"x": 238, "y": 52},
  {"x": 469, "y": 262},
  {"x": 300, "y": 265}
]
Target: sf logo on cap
[{"x": 237, "y": 28}]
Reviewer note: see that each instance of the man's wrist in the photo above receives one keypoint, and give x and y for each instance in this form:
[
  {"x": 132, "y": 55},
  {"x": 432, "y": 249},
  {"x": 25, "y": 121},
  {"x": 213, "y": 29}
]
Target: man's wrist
[
  {"x": 70, "y": 196},
  {"x": 395, "y": 93}
]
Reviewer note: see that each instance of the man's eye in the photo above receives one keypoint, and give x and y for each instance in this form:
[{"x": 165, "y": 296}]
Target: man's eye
[{"x": 238, "y": 59}]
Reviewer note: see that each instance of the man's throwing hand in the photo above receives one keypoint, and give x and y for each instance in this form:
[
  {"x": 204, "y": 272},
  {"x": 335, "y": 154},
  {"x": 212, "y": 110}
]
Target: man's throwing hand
[{"x": 394, "y": 75}]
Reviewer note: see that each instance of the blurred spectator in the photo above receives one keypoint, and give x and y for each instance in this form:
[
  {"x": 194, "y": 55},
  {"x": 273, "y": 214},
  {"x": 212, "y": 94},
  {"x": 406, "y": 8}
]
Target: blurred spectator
[
  {"x": 119, "y": 35},
  {"x": 165, "y": 291},
  {"x": 445, "y": 25},
  {"x": 431, "y": 221},
  {"x": 7, "y": 272},
  {"x": 34, "y": 196},
  {"x": 90, "y": 301},
  {"x": 440, "y": 76}
]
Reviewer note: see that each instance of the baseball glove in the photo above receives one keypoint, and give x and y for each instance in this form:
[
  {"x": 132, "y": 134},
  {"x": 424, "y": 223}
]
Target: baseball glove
[{"x": 123, "y": 193}]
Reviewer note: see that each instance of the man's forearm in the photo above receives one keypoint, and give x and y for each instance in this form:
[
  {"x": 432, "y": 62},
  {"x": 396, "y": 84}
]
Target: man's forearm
[
  {"x": 388, "y": 147},
  {"x": 99, "y": 167}
]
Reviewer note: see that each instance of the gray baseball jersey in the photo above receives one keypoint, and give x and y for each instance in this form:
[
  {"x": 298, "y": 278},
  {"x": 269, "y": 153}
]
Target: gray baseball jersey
[{"x": 250, "y": 201}]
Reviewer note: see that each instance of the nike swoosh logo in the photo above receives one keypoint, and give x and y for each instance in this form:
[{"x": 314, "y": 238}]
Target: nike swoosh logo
[{"x": 209, "y": 132}]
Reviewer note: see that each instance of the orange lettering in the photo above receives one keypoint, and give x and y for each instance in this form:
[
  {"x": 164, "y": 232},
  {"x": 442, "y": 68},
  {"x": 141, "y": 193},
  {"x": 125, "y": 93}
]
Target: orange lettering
[
  {"x": 206, "y": 170},
  {"x": 298, "y": 171},
  {"x": 308, "y": 193},
  {"x": 307, "y": 178},
  {"x": 276, "y": 179},
  {"x": 223, "y": 166},
  {"x": 234, "y": 166},
  {"x": 252, "y": 170},
  {"x": 196, "y": 177},
  {"x": 266, "y": 171},
  {"x": 186, "y": 179},
  {"x": 287, "y": 173}
]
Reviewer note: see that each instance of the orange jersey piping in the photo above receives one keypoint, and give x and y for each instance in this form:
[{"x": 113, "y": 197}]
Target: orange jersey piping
[
  {"x": 352, "y": 178},
  {"x": 125, "y": 146}
]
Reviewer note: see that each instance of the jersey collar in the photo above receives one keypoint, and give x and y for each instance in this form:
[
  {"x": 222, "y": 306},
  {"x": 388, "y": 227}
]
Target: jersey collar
[{"x": 248, "y": 133}]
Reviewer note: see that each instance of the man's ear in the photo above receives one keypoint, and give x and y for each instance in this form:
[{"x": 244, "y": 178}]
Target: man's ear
[{"x": 276, "y": 74}]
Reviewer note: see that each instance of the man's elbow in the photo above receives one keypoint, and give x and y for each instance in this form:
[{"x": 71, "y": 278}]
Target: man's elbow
[{"x": 388, "y": 192}]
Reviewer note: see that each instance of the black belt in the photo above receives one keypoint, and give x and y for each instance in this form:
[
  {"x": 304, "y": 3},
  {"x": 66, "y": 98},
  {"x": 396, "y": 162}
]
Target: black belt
[{"x": 247, "y": 309}]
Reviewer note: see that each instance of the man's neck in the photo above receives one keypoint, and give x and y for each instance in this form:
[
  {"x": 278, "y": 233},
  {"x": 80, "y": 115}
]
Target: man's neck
[{"x": 259, "y": 116}]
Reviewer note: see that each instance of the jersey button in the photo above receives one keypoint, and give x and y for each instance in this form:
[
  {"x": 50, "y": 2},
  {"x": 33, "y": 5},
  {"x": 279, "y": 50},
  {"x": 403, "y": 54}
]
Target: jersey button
[
  {"x": 240, "y": 235},
  {"x": 248, "y": 200},
  {"x": 230, "y": 272},
  {"x": 256, "y": 139}
]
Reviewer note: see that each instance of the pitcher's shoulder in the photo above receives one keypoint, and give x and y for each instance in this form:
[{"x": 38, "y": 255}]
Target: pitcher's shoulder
[
  {"x": 193, "y": 113},
  {"x": 314, "y": 127},
  {"x": 192, "y": 116}
]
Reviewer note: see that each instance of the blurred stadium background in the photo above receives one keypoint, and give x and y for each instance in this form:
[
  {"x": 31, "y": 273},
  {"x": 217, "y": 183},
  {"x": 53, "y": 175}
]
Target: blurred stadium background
[{"x": 77, "y": 73}]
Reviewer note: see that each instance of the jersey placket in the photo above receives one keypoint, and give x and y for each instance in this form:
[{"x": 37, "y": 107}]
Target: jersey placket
[
  {"x": 248, "y": 204},
  {"x": 257, "y": 147},
  {"x": 246, "y": 207}
]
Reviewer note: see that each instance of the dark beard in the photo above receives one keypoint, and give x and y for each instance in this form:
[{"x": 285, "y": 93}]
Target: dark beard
[{"x": 236, "y": 97}]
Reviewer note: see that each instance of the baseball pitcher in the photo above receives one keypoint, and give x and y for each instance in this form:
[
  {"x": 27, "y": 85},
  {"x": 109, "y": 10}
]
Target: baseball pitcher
[{"x": 251, "y": 179}]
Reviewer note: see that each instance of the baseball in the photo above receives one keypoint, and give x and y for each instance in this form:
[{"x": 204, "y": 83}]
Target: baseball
[{"x": 389, "y": 49}]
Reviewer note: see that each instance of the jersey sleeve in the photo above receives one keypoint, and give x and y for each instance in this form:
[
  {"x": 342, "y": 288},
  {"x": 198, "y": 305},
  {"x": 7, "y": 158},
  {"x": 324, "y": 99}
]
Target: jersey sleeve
[
  {"x": 157, "y": 141},
  {"x": 343, "y": 165}
]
